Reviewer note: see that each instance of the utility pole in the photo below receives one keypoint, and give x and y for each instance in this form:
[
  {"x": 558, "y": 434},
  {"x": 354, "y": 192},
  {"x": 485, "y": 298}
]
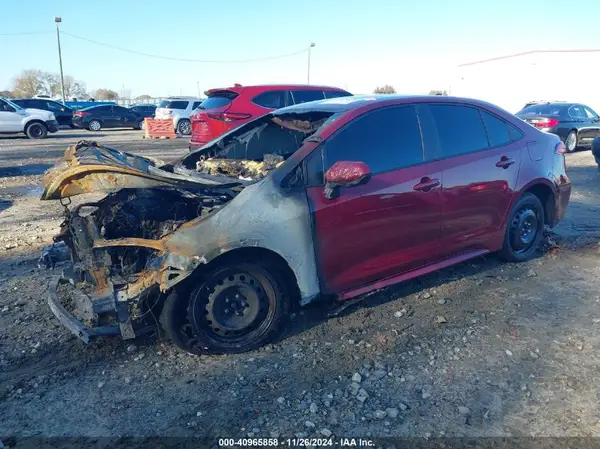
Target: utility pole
[
  {"x": 198, "y": 85},
  {"x": 58, "y": 20},
  {"x": 312, "y": 44}
]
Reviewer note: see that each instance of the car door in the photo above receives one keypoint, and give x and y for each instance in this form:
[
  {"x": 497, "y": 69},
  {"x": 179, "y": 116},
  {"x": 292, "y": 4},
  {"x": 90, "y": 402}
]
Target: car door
[
  {"x": 64, "y": 115},
  {"x": 10, "y": 119},
  {"x": 388, "y": 225},
  {"x": 592, "y": 127},
  {"x": 121, "y": 117},
  {"x": 482, "y": 157}
]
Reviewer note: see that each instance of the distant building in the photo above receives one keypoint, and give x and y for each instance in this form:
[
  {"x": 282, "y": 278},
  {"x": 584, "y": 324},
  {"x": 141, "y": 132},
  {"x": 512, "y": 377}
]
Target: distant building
[{"x": 514, "y": 80}]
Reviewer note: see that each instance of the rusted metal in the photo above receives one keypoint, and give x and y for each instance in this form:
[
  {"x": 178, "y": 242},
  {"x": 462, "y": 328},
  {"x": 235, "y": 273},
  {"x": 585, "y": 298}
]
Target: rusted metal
[
  {"x": 93, "y": 178},
  {"x": 158, "y": 245}
]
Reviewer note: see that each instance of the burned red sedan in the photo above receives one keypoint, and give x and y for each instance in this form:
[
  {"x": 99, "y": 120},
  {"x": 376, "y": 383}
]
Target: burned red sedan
[{"x": 328, "y": 199}]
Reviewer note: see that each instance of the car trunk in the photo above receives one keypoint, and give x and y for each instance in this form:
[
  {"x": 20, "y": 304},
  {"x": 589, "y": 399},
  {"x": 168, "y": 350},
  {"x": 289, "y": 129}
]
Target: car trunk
[{"x": 211, "y": 119}]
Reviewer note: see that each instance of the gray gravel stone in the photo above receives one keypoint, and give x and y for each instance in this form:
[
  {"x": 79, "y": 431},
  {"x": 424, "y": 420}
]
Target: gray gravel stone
[{"x": 392, "y": 412}]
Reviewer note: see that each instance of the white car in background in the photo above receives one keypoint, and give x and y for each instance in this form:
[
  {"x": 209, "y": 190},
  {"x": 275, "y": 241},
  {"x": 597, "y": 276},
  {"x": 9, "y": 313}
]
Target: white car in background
[
  {"x": 179, "y": 109},
  {"x": 34, "y": 123}
]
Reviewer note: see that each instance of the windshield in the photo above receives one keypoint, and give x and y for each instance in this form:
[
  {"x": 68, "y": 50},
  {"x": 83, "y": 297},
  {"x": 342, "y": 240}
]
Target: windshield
[
  {"x": 251, "y": 151},
  {"x": 14, "y": 105}
]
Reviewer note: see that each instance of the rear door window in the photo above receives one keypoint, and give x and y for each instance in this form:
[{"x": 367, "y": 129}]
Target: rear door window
[
  {"x": 304, "y": 96},
  {"x": 273, "y": 99},
  {"x": 460, "y": 129},
  {"x": 497, "y": 129},
  {"x": 385, "y": 139},
  {"x": 196, "y": 104}
]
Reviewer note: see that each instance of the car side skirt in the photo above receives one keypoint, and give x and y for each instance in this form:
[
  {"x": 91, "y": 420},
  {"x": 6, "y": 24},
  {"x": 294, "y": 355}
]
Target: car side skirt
[{"x": 382, "y": 283}]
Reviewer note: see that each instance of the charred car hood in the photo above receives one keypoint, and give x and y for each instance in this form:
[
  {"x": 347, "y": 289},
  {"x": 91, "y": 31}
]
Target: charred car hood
[{"x": 91, "y": 167}]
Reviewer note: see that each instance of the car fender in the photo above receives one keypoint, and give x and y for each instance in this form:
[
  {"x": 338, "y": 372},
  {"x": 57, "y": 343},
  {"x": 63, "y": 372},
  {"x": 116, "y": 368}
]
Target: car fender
[{"x": 263, "y": 216}]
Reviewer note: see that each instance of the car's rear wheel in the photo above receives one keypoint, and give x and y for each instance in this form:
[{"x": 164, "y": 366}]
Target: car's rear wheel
[
  {"x": 571, "y": 141},
  {"x": 236, "y": 307},
  {"x": 184, "y": 127},
  {"x": 140, "y": 125},
  {"x": 524, "y": 229},
  {"x": 94, "y": 125},
  {"x": 36, "y": 131}
]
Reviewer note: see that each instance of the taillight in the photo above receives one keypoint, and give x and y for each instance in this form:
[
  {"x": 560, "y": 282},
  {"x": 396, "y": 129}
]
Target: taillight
[
  {"x": 560, "y": 148},
  {"x": 229, "y": 116},
  {"x": 547, "y": 123},
  {"x": 80, "y": 113}
]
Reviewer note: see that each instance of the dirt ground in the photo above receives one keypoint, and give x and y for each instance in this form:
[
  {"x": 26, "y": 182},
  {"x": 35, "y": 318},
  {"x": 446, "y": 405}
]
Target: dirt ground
[{"x": 482, "y": 349}]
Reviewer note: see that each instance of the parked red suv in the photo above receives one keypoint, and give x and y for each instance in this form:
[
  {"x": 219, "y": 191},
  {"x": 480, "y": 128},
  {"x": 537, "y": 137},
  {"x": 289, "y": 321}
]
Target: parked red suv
[
  {"x": 328, "y": 199},
  {"x": 228, "y": 108}
]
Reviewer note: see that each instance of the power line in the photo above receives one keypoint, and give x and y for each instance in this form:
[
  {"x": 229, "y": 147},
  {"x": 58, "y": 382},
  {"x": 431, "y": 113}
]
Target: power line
[
  {"x": 25, "y": 33},
  {"x": 149, "y": 55},
  {"x": 532, "y": 52}
]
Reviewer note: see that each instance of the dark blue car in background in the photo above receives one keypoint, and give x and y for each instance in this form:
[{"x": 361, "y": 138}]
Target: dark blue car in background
[{"x": 576, "y": 124}]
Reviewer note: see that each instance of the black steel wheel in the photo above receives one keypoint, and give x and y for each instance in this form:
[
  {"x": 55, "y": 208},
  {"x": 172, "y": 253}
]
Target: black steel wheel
[
  {"x": 235, "y": 308},
  {"x": 524, "y": 229},
  {"x": 36, "y": 131}
]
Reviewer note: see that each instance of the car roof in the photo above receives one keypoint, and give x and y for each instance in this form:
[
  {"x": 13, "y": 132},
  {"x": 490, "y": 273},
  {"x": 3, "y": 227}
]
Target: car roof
[
  {"x": 182, "y": 98},
  {"x": 260, "y": 87},
  {"x": 96, "y": 106},
  {"x": 341, "y": 104}
]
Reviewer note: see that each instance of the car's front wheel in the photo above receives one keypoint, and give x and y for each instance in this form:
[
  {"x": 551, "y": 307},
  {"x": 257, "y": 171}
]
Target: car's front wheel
[
  {"x": 36, "y": 130},
  {"x": 235, "y": 308},
  {"x": 184, "y": 127},
  {"x": 571, "y": 141},
  {"x": 524, "y": 229},
  {"x": 94, "y": 125}
]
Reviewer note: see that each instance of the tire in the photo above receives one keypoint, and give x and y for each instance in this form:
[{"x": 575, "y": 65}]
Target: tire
[
  {"x": 72, "y": 126},
  {"x": 571, "y": 141},
  {"x": 236, "y": 307},
  {"x": 524, "y": 229},
  {"x": 94, "y": 125},
  {"x": 140, "y": 125},
  {"x": 184, "y": 127},
  {"x": 36, "y": 130}
]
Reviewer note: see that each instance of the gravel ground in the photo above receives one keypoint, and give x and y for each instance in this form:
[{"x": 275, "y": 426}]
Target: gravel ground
[{"x": 481, "y": 349}]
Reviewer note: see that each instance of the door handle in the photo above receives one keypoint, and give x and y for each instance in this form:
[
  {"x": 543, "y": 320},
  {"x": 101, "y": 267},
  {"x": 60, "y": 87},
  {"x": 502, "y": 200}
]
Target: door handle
[
  {"x": 426, "y": 184},
  {"x": 505, "y": 162}
]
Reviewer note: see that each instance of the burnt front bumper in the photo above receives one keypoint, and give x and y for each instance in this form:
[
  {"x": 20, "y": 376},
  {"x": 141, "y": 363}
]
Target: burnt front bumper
[{"x": 88, "y": 310}]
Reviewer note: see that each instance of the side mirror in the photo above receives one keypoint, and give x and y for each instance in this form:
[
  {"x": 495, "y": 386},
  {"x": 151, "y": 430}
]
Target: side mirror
[{"x": 345, "y": 174}]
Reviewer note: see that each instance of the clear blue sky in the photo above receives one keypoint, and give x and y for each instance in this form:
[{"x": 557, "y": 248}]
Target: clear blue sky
[{"x": 359, "y": 44}]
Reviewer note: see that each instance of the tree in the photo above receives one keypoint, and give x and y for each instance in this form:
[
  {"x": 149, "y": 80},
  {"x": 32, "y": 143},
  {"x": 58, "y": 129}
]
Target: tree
[
  {"x": 106, "y": 94},
  {"x": 143, "y": 97},
  {"x": 29, "y": 83},
  {"x": 387, "y": 89},
  {"x": 438, "y": 92},
  {"x": 73, "y": 88},
  {"x": 37, "y": 82},
  {"x": 5, "y": 93}
]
